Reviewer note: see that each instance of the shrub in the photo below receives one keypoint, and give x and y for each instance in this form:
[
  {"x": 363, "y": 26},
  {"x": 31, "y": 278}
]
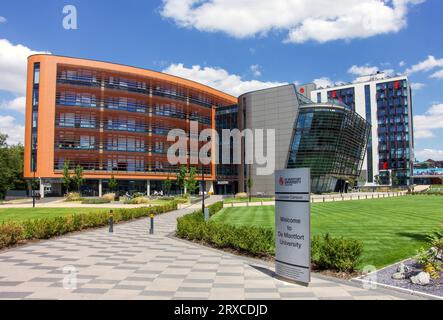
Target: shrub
[
  {"x": 327, "y": 253},
  {"x": 241, "y": 195},
  {"x": 182, "y": 200},
  {"x": 12, "y": 232},
  {"x": 138, "y": 195},
  {"x": 166, "y": 198},
  {"x": 338, "y": 254},
  {"x": 138, "y": 200},
  {"x": 216, "y": 207},
  {"x": 255, "y": 240},
  {"x": 96, "y": 201},
  {"x": 73, "y": 196},
  {"x": 109, "y": 196}
]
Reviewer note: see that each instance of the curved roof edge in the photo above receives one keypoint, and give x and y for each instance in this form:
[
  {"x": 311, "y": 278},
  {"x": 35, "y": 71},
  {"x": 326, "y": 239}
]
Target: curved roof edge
[
  {"x": 171, "y": 77},
  {"x": 333, "y": 106}
]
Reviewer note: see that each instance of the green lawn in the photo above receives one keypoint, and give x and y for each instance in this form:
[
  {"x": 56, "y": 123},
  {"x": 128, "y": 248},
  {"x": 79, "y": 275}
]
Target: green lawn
[
  {"x": 390, "y": 229},
  {"x": 20, "y": 214},
  {"x": 254, "y": 199}
]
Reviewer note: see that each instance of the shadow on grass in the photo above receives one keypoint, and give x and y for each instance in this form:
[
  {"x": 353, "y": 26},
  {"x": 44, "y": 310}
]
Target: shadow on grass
[{"x": 414, "y": 236}]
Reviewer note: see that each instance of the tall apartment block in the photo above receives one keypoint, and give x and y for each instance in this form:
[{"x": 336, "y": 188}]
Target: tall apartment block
[
  {"x": 110, "y": 119},
  {"x": 386, "y": 103}
]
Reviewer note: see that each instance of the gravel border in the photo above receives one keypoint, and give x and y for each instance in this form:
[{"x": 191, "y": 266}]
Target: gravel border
[{"x": 384, "y": 277}]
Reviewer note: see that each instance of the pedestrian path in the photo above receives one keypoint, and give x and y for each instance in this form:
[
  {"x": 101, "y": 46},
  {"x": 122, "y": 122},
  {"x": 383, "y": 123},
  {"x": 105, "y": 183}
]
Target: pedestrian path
[{"x": 131, "y": 264}]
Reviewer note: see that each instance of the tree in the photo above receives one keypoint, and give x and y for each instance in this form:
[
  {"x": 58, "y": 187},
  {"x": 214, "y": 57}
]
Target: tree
[
  {"x": 395, "y": 179},
  {"x": 168, "y": 185},
  {"x": 66, "y": 179},
  {"x": 191, "y": 182},
  {"x": 377, "y": 179},
  {"x": 11, "y": 167},
  {"x": 77, "y": 178},
  {"x": 249, "y": 184},
  {"x": 181, "y": 177},
  {"x": 113, "y": 184}
]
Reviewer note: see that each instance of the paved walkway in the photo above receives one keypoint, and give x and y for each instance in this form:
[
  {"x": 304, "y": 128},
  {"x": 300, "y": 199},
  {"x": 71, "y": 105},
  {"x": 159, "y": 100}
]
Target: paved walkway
[{"x": 131, "y": 264}]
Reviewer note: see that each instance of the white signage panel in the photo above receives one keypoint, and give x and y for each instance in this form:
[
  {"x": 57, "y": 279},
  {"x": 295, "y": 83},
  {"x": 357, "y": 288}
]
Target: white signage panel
[{"x": 293, "y": 224}]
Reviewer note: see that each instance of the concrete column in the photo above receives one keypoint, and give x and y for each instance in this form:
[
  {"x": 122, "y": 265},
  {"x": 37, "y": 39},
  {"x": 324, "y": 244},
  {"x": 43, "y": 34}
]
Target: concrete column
[
  {"x": 148, "y": 187},
  {"x": 100, "y": 188},
  {"x": 42, "y": 189}
]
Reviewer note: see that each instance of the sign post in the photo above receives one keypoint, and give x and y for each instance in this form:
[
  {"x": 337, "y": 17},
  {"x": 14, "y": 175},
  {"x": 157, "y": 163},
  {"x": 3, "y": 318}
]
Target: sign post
[{"x": 293, "y": 225}]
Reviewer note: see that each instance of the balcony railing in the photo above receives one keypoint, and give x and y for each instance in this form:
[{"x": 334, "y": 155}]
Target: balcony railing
[
  {"x": 79, "y": 80},
  {"x": 135, "y": 87},
  {"x": 123, "y": 167}
]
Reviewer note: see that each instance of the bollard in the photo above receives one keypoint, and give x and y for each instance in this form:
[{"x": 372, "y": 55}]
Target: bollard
[
  {"x": 111, "y": 222},
  {"x": 151, "y": 231}
]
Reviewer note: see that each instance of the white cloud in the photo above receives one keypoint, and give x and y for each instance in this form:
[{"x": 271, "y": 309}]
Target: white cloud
[
  {"x": 417, "y": 85},
  {"x": 303, "y": 20},
  {"x": 402, "y": 64},
  {"x": 426, "y": 65},
  {"x": 2, "y": 19},
  {"x": 15, "y": 131},
  {"x": 362, "y": 70},
  {"x": 323, "y": 82},
  {"x": 437, "y": 75},
  {"x": 17, "y": 104},
  {"x": 255, "y": 70},
  {"x": 219, "y": 79},
  {"x": 436, "y": 155},
  {"x": 426, "y": 123},
  {"x": 436, "y": 110},
  {"x": 13, "y": 62},
  {"x": 367, "y": 70}
]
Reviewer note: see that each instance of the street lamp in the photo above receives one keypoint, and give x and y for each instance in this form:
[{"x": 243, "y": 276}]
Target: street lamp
[
  {"x": 203, "y": 189},
  {"x": 33, "y": 188}
]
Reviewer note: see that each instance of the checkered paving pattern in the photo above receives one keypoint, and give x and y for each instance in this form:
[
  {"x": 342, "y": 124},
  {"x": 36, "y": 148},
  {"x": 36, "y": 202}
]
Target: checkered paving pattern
[{"x": 131, "y": 264}]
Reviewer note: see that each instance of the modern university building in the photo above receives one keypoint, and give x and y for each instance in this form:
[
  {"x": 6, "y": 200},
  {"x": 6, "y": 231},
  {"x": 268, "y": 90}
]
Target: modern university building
[
  {"x": 110, "y": 119},
  {"x": 113, "y": 120}
]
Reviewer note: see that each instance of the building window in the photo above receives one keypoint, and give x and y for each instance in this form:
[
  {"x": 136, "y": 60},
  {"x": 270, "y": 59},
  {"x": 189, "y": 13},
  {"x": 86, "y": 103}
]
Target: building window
[
  {"x": 319, "y": 97},
  {"x": 35, "y": 101},
  {"x": 370, "y": 153}
]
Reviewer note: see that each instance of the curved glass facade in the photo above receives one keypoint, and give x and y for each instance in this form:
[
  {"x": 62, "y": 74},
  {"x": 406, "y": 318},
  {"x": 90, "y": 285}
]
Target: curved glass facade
[{"x": 331, "y": 140}]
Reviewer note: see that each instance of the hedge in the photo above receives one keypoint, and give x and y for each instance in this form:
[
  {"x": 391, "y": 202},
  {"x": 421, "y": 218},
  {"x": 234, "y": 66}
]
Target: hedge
[
  {"x": 96, "y": 201},
  {"x": 338, "y": 254},
  {"x": 12, "y": 232},
  {"x": 329, "y": 253},
  {"x": 255, "y": 240}
]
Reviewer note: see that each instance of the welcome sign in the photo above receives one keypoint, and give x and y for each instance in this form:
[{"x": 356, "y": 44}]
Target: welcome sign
[{"x": 293, "y": 225}]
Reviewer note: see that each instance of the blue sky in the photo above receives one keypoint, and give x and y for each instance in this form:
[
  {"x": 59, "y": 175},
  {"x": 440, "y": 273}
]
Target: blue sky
[{"x": 237, "y": 45}]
